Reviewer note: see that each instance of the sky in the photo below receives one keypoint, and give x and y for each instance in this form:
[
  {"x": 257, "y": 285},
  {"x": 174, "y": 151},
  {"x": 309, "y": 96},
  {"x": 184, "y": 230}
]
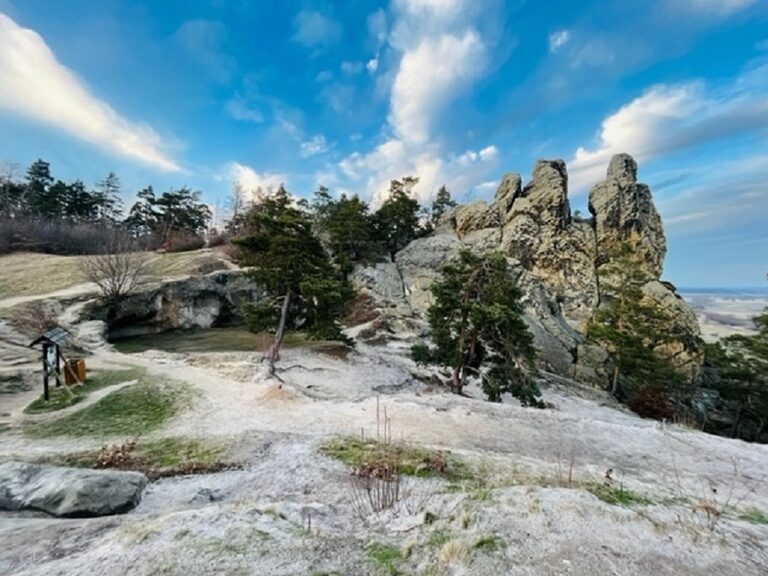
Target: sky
[{"x": 351, "y": 94}]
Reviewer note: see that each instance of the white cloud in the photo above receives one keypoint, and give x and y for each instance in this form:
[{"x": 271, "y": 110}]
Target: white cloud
[
  {"x": 314, "y": 30},
  {"x": 487, "y": 154},
  {"x": 716, "y": 7},
  {"x": 558, "y": 39},
  {"x": 429, "y": 77},
  {"x": 372, "y": 65},
  {"x": 35, "y": 84},
  {"x": 255, "y": 185},
  {"x": 239, "y": 109},
  {"x": 351, "y": 67},
  {"x": 671, "y": 118},
  {"x": 377, "y": 26},
  {"x": 314, "y": 146}
]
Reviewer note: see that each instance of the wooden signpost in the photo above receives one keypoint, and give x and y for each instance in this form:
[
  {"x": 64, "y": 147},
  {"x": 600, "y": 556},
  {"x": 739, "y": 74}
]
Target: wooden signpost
[{"x": 52, "y": 341}]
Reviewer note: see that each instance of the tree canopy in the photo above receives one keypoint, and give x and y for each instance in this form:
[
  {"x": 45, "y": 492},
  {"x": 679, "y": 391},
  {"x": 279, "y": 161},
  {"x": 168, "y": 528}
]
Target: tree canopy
[
  {"x": 478, "y": 330},
  {"x": 303, "y": 289}
]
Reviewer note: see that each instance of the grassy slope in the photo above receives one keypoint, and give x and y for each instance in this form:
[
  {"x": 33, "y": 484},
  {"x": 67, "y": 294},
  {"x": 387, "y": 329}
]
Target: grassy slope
[
  {"x": 94, "y": 381},
  {"x": 27, "y": 274},
  {"x": 130, "y": 411}
]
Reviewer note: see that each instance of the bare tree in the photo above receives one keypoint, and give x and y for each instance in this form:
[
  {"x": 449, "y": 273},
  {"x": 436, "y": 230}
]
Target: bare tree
[{"x": 118, "y": 270}]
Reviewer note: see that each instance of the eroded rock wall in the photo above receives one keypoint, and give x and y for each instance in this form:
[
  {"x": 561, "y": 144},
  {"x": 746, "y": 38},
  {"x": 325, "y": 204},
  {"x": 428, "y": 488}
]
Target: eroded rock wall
[{"x": 556, "y": 259}]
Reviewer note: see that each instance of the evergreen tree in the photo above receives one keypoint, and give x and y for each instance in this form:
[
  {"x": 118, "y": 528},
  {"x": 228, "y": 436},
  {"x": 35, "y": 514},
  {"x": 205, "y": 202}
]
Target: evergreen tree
[
  {"x": 346, "y": 228},
  {"x": 12, "y": 194},
  {"x": 41, "y": 203},
  {"x": 631, "y": 329},
  {"x": 107, "y": 199},
  {"x": 289, "y": 262},
  {"x": 741, "y": 366},
  {"x": 396, "y": 222},
  {"x": 478, "y": 329},
  {"x": 441, "y": 204},
  {"x": 175, "y": 211}
]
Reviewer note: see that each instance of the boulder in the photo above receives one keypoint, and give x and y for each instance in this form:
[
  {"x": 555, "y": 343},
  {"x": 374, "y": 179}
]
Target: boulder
[{"x": 68, "y": 492}]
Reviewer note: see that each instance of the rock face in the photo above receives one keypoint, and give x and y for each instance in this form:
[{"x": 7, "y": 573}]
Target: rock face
[
  {"x": 556, "y": 258},
  {"x": 196, "y": 302},
  {"x": 68, "y": 492}
]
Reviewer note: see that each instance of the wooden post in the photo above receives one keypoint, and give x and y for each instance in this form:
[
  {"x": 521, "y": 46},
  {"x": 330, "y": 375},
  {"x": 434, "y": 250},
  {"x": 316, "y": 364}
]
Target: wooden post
[
  {"x": 46, "y": 395},
  {"x": 57, "y": 365}
]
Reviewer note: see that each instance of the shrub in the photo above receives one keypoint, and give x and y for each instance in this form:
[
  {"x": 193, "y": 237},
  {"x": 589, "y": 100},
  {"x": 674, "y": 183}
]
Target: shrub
[{"x": 652, "y": 402}]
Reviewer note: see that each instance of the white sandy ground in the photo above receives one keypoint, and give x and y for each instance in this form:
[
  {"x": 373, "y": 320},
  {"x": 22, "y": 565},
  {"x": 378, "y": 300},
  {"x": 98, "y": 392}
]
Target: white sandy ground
[{"x": 255, "y": 520}]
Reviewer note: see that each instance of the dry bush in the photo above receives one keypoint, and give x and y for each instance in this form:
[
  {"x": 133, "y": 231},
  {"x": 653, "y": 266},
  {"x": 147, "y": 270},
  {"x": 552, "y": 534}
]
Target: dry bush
[
  {"x": 35, "y": 318},
  {"x": 118, "y": 270},
  {"x": 184, "y": 242},
  {"x": 49, "y": 237},
  {"x": 650, "y": 402},
  {"x": 118, "y": 455}
]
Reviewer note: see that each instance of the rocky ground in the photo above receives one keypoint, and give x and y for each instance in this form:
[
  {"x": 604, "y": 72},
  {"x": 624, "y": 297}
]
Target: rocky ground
[{"x": 289, "y": 509}]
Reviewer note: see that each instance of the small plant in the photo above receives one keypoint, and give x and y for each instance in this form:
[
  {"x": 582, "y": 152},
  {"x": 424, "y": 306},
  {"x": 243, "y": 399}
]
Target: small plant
[
  {"x": 754, "y": 516},
  {"x": 490, "y": 543},
  {"x": 385, "y": 557},
  {"x": 618, "y": 495},
  {"x": 439, "y": 537}
]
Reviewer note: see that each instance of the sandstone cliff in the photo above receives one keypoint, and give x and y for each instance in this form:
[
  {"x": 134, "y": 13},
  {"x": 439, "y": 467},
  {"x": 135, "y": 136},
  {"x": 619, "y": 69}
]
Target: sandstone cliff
[{"x": 556, "y": 258}]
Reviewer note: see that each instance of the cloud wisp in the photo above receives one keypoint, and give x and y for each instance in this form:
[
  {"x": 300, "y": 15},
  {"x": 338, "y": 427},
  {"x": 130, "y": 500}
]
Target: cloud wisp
[
  {"x": 672, "y": 118},
  {"x": 33, "y": 83}
]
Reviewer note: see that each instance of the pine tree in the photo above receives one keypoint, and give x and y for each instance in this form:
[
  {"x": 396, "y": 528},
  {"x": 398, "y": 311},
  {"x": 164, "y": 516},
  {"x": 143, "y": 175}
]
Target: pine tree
[
  {"x": 40, "y": 201},
  {"x": 478, "y": 329},
  {"x": 289, "y": 262},
  {"x": 396, "y": 222},
  {"x": 631, "y": 329},
  {"x": 108, "y": 201},
  {"x": 346, "y": 227},
  {"x": 441, "y": 204}
]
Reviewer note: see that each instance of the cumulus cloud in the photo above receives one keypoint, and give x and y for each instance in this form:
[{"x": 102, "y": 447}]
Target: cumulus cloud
[
  {"x": 669, "y": 118},
  {"x": 372, "y": 65},
  {"x": 558, "y": 39},
  {"x": 429, "y": 77},
  {"x": 314, "y": 146},
  {"x": 255, "y": 185},
  {"x": 35, "y": 84},
  {"x": 487, "y": 154},
  {"x": 315, "y": 30}
]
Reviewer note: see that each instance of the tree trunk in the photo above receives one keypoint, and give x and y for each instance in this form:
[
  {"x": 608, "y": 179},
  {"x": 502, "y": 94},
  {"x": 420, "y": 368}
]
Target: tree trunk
[
  {"x": 456, "y": 380},
  {"x": 273, "y": 354},
  {"x": 615, "y": 381}
]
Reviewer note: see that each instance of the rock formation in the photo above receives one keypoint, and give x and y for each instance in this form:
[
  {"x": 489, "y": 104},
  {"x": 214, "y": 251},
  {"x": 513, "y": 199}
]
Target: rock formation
[
  {"x": 556, "y": 258},
  {"x": 68, "y": 492}
]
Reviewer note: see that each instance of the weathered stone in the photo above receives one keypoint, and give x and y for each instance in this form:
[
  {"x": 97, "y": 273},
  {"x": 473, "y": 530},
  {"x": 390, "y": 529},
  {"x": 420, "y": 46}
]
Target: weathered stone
[
  {"x": 686, "y": 353},
  {"x": 555, "y": 260},
  {"x": 623, "y": 211},
  {"x": 474, "y": 216},
  {"x": 195, "y": 302},
  {"x": 68, "y": 492}
]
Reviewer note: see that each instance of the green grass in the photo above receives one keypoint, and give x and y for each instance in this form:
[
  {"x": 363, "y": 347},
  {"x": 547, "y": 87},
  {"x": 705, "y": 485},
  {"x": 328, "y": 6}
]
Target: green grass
[
  {"x": 130, "y": 411},
  {"x": 204, "y": 340},
  {"x": 410, "y": 460},
  {"x": 754, "y": 516},
  {"x": 439, "y": 537},
  {"x": 617, "y": 495},
  {"x": 157, "y": 458},
  {"x": 59, "y": 398},
  {"x": 386, "y": 558},
  {"x": 491, "y": 543}
]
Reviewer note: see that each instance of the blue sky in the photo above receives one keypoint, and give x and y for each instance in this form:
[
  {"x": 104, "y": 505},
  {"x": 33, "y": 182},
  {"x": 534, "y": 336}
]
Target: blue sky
[{"x": 206, "y": 93}]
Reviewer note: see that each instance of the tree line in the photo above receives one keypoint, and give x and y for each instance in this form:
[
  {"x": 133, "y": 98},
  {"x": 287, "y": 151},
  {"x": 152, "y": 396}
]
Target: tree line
[{"x": 44, "y": 213}]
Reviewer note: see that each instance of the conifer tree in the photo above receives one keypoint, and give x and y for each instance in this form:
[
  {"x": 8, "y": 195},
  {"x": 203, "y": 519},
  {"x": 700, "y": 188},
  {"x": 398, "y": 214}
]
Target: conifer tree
[
  {"x": 396, "y": 222},
  {"x": 441, "y": 204},
  {"x": 478, "y": 329},
  {"x": 303, "y": 289},
  {"x": 631, "y": 328}
]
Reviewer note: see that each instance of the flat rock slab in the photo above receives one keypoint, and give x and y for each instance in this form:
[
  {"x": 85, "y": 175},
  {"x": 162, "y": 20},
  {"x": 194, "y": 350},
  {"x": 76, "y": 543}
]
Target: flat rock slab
[{"x": 68, "y": 492}]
